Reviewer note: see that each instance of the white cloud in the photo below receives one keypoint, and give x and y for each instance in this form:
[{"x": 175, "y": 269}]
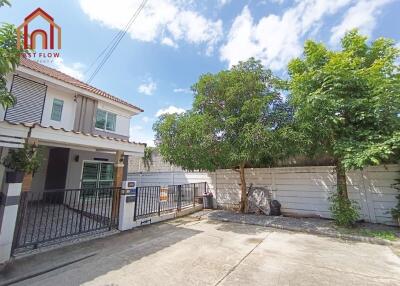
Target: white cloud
[
  {"x": 276, "y": 39},
  {"x": 169, "y": 42},
  {"x": 182, "y": 90},
  {"x": 223, "y": 2},
  {"x": 264, "y": 2},
  {"x": 165, "y": 21},
  {"x": 362, "y": 16},
  {"x": 137, "y": 134},
  {"x": 134, "y": 128},
  {"x": 145, "y": 119},
  {"x": 75, "y": 70},
  {"x": 148, "y": 87},
  {"x": 170, "y": 110}
]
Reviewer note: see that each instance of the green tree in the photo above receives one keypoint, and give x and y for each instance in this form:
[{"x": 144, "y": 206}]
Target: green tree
[
  {"x": 347, "y": 102},
  {"x": 147, "y": 158},
  {"x": 9, "y": 58},
  {"x": 236, "y": 120}
]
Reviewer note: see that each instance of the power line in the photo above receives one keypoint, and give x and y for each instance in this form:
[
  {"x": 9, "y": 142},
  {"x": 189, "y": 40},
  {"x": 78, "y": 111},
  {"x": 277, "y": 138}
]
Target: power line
[
  {"x": 115, "y": 42},
  {"x": 118, "y": 39}
]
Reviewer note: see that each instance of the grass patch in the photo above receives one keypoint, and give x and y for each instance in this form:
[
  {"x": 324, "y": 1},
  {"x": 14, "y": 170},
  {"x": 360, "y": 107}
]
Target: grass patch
[{"x": 382, "y": 234}]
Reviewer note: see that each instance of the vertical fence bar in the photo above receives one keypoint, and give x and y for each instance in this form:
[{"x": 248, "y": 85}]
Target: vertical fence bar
[
  {"x": 179, "y": 202},
  {"x": 81, "y": 211},
  {"x": 136, "y": 203},
  {"x": 20, "y": 220},
  {"x": 194, "y": 195},
  {"x": 159, "y": 201}
]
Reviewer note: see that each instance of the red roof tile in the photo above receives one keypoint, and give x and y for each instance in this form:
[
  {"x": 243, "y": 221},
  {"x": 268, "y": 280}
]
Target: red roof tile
[
  {"x": 70, "y": 80},
  {"x": 33, "y": 125}
]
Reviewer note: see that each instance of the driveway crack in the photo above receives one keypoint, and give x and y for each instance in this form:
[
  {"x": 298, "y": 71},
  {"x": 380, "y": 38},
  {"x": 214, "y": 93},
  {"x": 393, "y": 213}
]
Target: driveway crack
[{"x": 241, "y": 260}]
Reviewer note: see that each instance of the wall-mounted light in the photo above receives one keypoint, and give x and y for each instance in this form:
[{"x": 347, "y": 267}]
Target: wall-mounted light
[{"x": 76, "y": 158}]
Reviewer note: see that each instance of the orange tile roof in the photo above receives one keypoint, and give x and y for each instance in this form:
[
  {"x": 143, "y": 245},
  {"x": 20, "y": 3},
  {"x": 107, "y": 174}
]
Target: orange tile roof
[
  {"x": 33, "y": 125},
  {"x": 70, "y": 80}
]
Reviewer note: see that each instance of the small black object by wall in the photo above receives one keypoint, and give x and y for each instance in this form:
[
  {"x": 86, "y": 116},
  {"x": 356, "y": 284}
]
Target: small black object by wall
[{"x": 275, "y": 208}]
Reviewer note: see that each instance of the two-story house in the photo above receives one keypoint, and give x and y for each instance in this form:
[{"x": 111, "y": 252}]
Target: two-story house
[{"x": 83, "y": 131}]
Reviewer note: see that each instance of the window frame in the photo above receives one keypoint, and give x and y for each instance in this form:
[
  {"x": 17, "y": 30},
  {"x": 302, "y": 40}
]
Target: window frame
[
  {"x": 107, "y": 113},
  {"x": 98, "y": 179},
  {"x": 55, "y": 102}
]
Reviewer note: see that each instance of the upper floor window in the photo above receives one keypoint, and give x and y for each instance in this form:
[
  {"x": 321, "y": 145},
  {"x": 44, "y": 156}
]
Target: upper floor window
[
  {"x": 56, "y": 112},
  {"x": 105, "y": 120}
]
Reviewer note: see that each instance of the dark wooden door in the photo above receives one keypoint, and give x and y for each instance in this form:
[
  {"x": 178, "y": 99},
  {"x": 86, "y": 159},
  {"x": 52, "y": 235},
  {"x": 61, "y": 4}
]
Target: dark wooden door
[{"x": 56, "y": 175}]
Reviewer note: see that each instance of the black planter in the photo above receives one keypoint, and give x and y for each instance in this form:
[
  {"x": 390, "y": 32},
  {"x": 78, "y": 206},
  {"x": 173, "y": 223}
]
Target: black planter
[{"x": 14, "y": 177}]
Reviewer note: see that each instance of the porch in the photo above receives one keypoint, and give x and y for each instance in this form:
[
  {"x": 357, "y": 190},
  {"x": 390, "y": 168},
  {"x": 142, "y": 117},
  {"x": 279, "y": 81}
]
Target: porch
[{"x": 76, "y": 189}]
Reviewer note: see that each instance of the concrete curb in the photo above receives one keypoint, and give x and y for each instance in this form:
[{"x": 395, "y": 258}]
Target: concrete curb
[{"x": 372, "y": 240}]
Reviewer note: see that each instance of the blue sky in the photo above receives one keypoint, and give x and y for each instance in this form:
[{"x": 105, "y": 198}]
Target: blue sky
[{"x": 173, "y": 42}]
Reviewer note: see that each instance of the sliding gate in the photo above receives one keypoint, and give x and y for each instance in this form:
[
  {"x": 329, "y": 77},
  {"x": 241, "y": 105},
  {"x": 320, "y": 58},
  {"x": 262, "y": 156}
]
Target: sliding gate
[
  {"x": 156, "y": 200},
  {"x": 52, "y": 216}
]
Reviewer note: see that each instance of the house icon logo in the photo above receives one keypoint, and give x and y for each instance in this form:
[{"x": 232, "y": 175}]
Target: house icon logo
[{"x": 47, "y": 36}]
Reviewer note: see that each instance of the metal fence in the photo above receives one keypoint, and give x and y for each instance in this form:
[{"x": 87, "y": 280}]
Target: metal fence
[
  {"x": 156, "y": 200},
  {"x": 56, "y": 214}
]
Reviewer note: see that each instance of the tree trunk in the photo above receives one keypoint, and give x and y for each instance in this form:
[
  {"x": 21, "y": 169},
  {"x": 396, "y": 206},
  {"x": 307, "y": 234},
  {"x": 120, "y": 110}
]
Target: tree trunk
[
  {"x": 243, "y": 198},
  {"x": 341, "y": 179}
]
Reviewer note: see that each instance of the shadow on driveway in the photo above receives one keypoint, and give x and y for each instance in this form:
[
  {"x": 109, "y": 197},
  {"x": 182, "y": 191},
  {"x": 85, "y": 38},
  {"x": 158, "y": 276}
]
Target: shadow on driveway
[{"x": 124, "y": 248}]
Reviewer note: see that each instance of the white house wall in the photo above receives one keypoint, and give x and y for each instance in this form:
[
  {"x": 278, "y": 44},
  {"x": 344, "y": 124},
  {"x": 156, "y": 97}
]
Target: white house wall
[
  {"x": 300, "y": 190},
  {"x": 122, "y": 121},
  {"x": 68, "y": 112},
  {"x": 75, "y": 168},
  {"x": 39, "y": 178}
]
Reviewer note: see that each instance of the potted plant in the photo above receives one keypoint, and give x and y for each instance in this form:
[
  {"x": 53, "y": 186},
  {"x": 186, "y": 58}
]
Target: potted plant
[{"x": 21, "y": 161}]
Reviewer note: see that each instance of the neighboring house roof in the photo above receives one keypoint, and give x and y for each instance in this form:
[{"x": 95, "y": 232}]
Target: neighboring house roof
[{"x": 70, "y": 80}]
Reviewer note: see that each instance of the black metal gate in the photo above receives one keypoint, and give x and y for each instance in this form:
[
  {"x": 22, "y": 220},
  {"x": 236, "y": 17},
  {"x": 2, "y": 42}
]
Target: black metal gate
[
  {"x": 54, "y": 215},
  {"x": 155, "y": 200}
]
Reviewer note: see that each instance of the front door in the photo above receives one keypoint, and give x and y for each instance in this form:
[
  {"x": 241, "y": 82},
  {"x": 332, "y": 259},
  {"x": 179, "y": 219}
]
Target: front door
[
  {"x": 97, "y": 175},
  {"x": 56, "y": 175}
]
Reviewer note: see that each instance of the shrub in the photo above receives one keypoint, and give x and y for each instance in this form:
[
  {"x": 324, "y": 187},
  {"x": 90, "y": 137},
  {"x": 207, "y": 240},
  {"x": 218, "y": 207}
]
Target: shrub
[
  {"x": 344, "y": 212},
  {"x": 25, "y": 159}
]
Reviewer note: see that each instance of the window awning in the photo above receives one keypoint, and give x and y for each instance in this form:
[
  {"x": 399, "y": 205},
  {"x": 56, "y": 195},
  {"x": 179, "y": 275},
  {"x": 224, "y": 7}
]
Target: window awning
[{"x": 13, "y": 135}]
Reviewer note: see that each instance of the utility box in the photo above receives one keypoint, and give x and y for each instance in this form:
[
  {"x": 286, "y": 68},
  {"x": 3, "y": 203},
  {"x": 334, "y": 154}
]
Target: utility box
[{"x": 127, "y": 205}]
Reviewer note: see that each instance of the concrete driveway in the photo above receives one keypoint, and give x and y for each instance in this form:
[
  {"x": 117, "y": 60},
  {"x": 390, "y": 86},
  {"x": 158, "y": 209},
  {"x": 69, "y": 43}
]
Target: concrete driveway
[{"x": 189, "y": 251}]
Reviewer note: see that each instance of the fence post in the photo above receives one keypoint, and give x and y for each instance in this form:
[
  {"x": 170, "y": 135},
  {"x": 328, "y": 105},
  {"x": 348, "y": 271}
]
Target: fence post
[
  {"x": 194, "y": 194},
  {"x": 81, "y": 212},
  {"x": 136, "y": 200},
  {"x": 159, "y": 201},
  {"x": 179, "y": 203}
]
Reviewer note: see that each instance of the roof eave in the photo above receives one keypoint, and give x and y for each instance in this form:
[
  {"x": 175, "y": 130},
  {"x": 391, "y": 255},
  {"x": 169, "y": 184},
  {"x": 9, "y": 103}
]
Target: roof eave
[{"x": 23, "y": 69}]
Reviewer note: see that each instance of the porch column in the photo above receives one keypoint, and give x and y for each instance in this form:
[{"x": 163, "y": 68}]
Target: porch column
[
  {"x": 118, "y": 175},
  {"x": 10, "y": 197},
  {"x": 27, "y": 181},
  {"x": 118, "y": 169}
]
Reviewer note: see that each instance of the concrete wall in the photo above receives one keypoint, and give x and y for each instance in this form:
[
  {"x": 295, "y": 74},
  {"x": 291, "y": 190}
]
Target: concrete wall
[
  {"x": 300, "y": 190},
  {"x": 39, "y": 178},
  {"x": 159, "y": 165}
]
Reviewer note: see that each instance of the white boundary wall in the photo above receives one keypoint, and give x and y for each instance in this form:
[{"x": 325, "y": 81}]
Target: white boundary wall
[{"x": 300, "y": 190}]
